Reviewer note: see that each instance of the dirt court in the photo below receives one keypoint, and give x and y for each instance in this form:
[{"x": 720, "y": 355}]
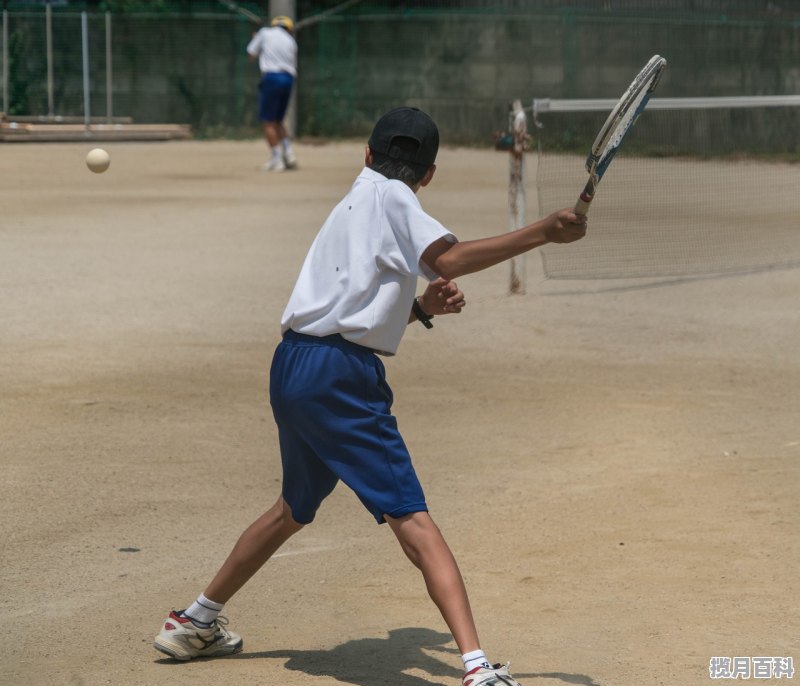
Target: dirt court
[{"x": 615, "y": 465}]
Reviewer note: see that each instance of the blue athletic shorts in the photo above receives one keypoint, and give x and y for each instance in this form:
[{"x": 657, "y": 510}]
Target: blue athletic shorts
[
  {"x": 332, "y": 405},
  {"x": 274, "y": 90}
]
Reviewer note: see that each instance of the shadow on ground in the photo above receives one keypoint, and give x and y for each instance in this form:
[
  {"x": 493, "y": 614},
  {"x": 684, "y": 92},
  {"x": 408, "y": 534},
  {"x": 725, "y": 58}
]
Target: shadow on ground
[{"x": 387, "y": 661}]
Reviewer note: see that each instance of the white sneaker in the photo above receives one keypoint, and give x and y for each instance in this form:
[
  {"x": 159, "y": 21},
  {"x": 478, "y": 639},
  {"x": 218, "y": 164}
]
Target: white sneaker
[
  {"x": 276, "y": 164},
  {"x": 289, "y": 159},
  {"x": 181, "y": 639},
  {"x": 496, "y": 676}
]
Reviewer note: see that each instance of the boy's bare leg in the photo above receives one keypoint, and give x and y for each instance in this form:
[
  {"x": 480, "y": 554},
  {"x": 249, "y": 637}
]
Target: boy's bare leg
[
  {"x": 425, "y": 546},
  {"x": 255, "y": 546},
  {"x": 272, "y": 132}
]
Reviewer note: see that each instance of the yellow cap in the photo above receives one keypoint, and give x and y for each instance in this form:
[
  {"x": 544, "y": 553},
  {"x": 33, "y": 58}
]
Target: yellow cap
[{"x": 286, "y": 22}]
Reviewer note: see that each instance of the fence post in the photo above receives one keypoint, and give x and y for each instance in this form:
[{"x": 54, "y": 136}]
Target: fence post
[
  {"x": 5, "y": 61},
  {"x": 109, "y": 72},
  {"x": 49, "y": 42},
  {"x": 87, "y": 109}
]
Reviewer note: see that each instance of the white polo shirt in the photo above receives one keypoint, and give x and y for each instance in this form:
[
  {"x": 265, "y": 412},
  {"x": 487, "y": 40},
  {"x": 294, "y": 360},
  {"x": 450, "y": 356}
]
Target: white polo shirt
[
  {"x": 276, "y": 49},
  {"x": 360, "y": 275}
]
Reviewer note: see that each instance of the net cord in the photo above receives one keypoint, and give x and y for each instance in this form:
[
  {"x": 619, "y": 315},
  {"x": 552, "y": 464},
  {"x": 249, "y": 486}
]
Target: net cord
[{"x": 541, "y": 105}]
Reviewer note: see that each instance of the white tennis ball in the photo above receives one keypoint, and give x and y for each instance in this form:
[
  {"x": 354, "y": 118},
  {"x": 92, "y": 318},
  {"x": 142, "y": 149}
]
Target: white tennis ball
[{"x": 98, "y": 160}]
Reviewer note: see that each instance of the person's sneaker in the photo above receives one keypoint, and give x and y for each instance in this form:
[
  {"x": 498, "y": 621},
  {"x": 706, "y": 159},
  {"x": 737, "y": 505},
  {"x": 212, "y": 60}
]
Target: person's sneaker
[
  {"x": 276, "y": 164},
  {"x": 496, "y": 676},
  {"x": 290, "y": 160},
  {"x": 181, "y": 639}
]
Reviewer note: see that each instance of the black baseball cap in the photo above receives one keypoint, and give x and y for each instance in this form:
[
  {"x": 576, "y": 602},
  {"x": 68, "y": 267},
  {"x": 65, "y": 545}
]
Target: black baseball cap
[{"x": 406, "y": 122}]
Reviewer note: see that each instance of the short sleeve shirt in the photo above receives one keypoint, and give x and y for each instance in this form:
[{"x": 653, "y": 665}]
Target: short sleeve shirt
[
  {"x": 360, "y": 275},
  {"x": 276, "y": 50}
]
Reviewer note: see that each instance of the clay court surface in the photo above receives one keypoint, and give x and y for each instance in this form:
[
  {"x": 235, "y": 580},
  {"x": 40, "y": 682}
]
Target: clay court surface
[{"x": 614, "y": 465}]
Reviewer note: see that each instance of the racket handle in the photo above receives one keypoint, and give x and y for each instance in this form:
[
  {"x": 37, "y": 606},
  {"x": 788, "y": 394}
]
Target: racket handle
[
  {"x": 585, "y": 199},
  {"x": 582, "y": 206}
]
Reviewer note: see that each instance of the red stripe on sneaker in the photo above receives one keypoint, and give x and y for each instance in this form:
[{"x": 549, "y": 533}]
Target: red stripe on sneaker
[
  {"x": 169, "y": 626},
  {"x": 467, "y": 682}
]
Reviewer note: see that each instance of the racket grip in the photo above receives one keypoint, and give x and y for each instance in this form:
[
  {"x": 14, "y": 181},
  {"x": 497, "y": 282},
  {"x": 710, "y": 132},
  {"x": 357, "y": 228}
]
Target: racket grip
[
  {"x": 585, "y": 199},
  {"x": 582, "y": 206}
]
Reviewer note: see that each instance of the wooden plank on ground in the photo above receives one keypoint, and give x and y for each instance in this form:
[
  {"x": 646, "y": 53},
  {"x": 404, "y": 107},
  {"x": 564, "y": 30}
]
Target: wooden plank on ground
[{"x": 17, "y": 132}]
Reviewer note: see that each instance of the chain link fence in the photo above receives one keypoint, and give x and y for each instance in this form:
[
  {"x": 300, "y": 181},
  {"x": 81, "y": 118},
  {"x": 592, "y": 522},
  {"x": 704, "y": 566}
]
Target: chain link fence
[{"x": 464, "y": 62}]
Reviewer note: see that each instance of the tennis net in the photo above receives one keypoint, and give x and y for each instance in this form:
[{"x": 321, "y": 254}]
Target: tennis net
[{"x": 701, "y": 186}]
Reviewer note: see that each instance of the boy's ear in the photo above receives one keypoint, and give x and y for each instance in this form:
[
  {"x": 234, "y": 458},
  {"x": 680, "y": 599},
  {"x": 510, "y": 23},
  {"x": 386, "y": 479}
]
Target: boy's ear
[
  {"x": 367, "y": 157},
  {"x": 428, "y": 176}
]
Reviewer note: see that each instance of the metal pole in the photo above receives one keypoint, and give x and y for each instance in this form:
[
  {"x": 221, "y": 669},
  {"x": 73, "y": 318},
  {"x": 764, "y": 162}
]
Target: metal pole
[
  {"x": 85, "y": 42},
  {"x": 109, "y": 72},
  {"x": 5, "y": 61},
  {"x": 282, "y": 7},
  {"x": 49, "y": 35},
  {"x": 287, "y": 8}
]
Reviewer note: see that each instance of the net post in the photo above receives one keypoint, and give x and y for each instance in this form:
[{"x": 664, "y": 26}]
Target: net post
[{"x": 518, "y": 124}]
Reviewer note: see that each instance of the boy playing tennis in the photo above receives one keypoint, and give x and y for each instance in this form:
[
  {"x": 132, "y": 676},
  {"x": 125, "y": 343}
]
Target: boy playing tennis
[{"x": 332, "y": 404}]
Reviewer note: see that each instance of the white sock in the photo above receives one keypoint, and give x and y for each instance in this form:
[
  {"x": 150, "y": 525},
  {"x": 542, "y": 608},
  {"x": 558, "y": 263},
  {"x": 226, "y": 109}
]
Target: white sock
[
  {"x": 287, "y": 145},
  {"x": 203, "y": 610},
  {"x": 276, "y": 153},
  {"x": 477, "y": 658}
]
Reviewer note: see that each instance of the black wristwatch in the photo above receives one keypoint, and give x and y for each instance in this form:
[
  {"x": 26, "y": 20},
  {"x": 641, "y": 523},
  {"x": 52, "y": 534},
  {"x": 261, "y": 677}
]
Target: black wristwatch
[{"x": 420, "y": 314}]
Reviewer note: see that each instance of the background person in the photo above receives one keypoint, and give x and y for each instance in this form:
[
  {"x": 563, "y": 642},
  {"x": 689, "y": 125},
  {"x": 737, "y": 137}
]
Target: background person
[{"x": 276, "y": 51}]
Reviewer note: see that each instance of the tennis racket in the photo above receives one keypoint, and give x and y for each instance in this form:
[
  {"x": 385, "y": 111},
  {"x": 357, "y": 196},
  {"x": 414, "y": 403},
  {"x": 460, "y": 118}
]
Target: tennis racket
[{"x": 617, "y": 126}]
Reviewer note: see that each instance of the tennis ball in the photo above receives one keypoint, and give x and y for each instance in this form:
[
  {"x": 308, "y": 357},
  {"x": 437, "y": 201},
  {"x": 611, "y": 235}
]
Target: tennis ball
[{"x": 98, "y": 160}]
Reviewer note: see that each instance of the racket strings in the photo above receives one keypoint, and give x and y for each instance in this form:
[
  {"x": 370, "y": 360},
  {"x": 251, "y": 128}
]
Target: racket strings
[{"x": 626, "y": 121}]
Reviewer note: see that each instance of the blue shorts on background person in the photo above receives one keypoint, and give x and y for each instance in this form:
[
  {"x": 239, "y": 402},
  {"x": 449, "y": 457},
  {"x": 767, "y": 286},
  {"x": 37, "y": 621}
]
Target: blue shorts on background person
[{"x": 274, "y": 89}]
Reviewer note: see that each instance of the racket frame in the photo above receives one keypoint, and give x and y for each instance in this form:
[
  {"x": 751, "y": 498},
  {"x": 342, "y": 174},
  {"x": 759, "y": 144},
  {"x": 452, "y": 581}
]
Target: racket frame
[{"x": 648, "y": 78}]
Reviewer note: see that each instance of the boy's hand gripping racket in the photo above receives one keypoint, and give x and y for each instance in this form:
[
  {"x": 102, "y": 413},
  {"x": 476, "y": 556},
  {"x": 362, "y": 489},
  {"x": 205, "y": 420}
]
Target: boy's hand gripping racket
[{"x": 617, "y": 126}]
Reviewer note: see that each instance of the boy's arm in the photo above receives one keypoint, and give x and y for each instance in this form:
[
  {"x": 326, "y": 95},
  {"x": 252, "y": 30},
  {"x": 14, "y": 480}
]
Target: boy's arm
[
  {"x": 254, "y": 46},
  {"x": 440, "y": 297},
  {"x": 451, "y": 260}
]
